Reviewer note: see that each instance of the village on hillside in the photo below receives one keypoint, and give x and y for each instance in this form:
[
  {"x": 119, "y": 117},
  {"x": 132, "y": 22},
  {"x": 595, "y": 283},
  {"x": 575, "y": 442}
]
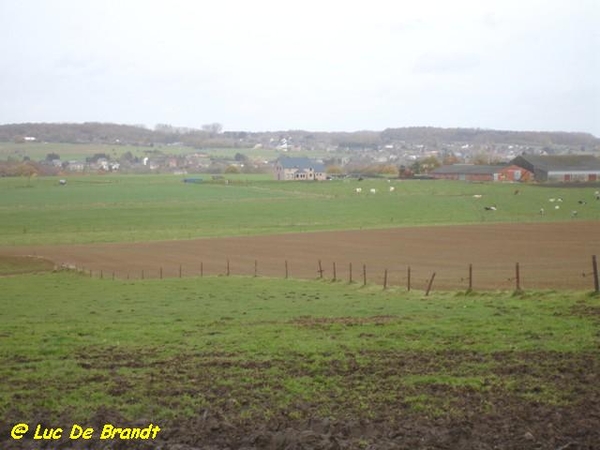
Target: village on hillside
[{"x": 421, "y": 152}]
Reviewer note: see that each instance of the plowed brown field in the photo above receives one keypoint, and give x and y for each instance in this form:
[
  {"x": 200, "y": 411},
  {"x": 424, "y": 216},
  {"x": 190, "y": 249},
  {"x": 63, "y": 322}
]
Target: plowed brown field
[{"x": 550, "y": 255}]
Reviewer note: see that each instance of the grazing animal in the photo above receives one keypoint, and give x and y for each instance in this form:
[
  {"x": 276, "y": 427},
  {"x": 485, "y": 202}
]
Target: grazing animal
[
  {"x": 559, "y": 199},
  {"x": 573, "y": 213},
  {"x": 551, "y": 200},
  {"x": 490, "y": 208},
  {"x": 582, "y": 202},
  {"x": 557, "y": 207},
  {"x": 373, "y": 191},
  {"x": 392, "y": 188},
  {"x": 477, "y": 195},
  {"x": 62, "y": 182},
  {"x": 358, "y": 190},
  {"x": 542, "y": 212}
]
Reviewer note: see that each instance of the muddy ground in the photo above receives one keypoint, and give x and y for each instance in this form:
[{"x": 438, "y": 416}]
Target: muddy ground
[
  {"x": 503, "y": 413},
  {"x": 499, "y": 415},
  {"x": 550, "y": 256}
]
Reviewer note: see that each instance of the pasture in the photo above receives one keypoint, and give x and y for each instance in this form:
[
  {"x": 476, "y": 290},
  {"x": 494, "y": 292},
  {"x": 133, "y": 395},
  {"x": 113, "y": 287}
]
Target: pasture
[
  {"x": 38, "y": 151},
  {"x": 151, "y": 208},
  {"x": 257, "y": 363},
  {"x": 269, "y": 362}
]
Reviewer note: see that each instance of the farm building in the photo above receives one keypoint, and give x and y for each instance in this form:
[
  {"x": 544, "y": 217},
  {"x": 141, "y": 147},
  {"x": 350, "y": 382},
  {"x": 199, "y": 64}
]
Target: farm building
[
  {"x": 560, "y": 168},
  {"x": 474, "y": 172},
  {"x": 288, "y": 168}
]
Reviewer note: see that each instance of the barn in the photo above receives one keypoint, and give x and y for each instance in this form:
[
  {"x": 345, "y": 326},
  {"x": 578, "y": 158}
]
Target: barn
[
  {"x": 476, "y": 172},
  {"x": 299, "y": 168},
  {"x": 561, "y": 168}
]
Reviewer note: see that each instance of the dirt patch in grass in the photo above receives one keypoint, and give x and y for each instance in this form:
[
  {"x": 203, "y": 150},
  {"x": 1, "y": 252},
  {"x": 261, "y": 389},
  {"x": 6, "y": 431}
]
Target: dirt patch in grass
[
  {"x": 16, "y": 265},
  {"x": 318, "y": 322},
  {"x": 590, "y": 311}
]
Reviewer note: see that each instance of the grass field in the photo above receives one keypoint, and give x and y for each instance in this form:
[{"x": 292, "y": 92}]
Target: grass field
[
  {"x": 79, "y": 152},
  {"x": 248, "y": 351},
  {"x": 143, "y": 208},
  {"x": 243, "y": 362}
]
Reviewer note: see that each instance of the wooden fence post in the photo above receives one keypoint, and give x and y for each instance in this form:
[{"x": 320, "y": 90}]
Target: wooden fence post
[
  {"x": 350, "y": 274},
  {"x": 470, "y": 277},
  {"x": 408, "y": 279},
  {"x": 201, "y": 269},
  {"x": 595, "y": 274},
  {"x": 228, "y": 267},
  {"x": 180, "y": 270},
  {"x": 255, "y": 268},
  {"x": 517, "y": 277},
  {"x": 385, "y": 279},
  {"x": 286, "y": 269},
  {"x": 320, "y": 270},
  {"x": 430, "y": 284},
  {"x": 364, "y": 274},
  {"x": 334, "y": 272}
]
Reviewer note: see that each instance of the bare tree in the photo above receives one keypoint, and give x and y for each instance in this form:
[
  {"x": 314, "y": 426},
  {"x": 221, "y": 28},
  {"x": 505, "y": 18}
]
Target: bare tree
[{"x": 213, "y": 128}]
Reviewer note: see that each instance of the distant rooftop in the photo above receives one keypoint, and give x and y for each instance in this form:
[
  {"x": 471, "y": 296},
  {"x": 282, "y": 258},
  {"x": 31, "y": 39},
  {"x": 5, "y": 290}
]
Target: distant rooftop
[
  {"x": 562, "y": 162},
  {"x": 301, "y": 163},
  {"x": 468, "y": 169}
]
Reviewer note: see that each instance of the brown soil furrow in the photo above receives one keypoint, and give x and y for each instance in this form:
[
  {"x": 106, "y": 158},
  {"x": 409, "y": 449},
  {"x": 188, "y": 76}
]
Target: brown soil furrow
[{"x": 551, "y": 255}]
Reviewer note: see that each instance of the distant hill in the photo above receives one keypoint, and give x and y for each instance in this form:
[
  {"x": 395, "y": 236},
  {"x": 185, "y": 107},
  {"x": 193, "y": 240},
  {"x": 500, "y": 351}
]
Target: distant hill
[
  {"x": 74, "y": 133},
  {"x": 484, "y": 136},
  {"x": 209, "y": 136}
]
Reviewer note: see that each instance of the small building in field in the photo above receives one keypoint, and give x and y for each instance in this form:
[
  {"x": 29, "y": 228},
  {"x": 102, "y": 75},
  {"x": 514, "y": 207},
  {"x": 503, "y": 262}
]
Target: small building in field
[
  {"x": 300, "y": 168},
  {"x": 477, "y": 172},
  {"x": 561, "y": 168}
]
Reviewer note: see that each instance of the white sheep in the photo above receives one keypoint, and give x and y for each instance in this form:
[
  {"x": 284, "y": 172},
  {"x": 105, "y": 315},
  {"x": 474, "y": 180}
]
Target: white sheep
[
  {"x": 373, "y": 191},
  {"x": 392, "y": 188},
  {"x": 358, "y": 190}
]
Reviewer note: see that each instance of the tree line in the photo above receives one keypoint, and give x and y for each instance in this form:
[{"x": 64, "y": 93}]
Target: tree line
[{"x": 213, "y": 136}]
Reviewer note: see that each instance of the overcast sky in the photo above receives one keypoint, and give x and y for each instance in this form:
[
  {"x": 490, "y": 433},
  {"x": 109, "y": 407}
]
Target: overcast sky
[{"x": 323, "y": 65}]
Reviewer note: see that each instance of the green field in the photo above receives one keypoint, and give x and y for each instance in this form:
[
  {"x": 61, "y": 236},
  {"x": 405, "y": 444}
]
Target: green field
[
  {"x": 250, "y": 350},
  {"x": 79, "y": 152},
  {"x": 230, "y": 362},
  {"x": 160, "y": 207}
]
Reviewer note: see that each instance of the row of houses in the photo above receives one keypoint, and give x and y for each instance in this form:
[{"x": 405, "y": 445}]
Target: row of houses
[{"x": 542, "y": 168}]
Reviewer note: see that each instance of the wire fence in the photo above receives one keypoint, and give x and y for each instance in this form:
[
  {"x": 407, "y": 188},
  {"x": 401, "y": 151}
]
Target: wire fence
[{"x": 517, "y": 277}]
